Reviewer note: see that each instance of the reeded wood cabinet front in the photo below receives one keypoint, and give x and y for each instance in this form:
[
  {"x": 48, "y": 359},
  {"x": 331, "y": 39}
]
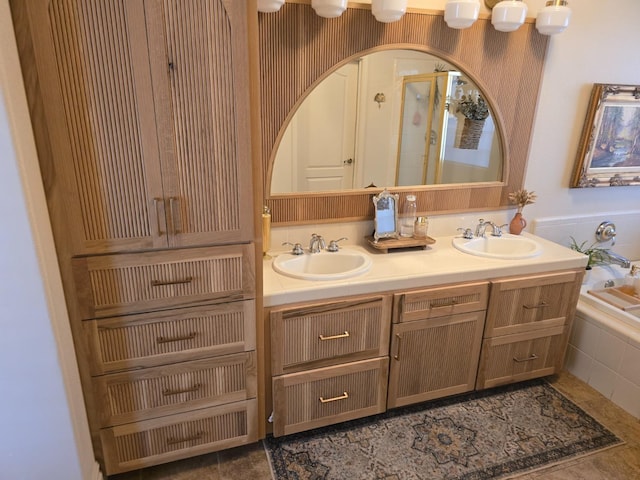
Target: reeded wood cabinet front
[{"x": 145, "y": 117}]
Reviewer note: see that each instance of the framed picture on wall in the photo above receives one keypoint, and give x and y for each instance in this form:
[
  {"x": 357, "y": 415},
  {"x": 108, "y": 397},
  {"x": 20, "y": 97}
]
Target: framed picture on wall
[{"x": 609, "y": 149}]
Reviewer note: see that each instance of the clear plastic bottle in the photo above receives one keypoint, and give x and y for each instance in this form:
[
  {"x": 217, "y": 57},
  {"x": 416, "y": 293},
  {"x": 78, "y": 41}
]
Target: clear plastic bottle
[{"x": 408, "y": 216}]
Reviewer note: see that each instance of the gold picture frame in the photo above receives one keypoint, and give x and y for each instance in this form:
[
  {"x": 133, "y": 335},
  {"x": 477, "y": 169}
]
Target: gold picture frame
[{"x": 609, "y": 149}]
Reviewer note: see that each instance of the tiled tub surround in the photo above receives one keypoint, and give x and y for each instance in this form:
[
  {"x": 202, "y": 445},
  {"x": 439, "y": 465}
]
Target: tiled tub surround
[{"x": 604, "y": 348}]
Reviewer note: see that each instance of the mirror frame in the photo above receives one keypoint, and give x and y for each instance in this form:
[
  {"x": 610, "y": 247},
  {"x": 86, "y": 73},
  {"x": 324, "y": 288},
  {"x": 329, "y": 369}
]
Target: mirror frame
[{"x": 298, "y": 49}]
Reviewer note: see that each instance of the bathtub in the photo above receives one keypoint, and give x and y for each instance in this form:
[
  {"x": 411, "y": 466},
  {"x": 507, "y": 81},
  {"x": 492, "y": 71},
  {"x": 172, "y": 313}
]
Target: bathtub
[{"x": 604, "y": 347}]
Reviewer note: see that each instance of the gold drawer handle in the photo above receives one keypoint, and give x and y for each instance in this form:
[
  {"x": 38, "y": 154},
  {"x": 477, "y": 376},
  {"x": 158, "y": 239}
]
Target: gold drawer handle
[
  {"x": 160, "y": 283},
  {"x": 173, "y": 441},
  {"x": 189, "y": 336},
  {"x": 450, "y": 303},
  {"x": 167, "y": 392},
  {"x": 539, "y": 305},
  {"x": 344, "y": 396},
  {"x": 333, "y": 337},
  {"x": 520, "y": 360}
]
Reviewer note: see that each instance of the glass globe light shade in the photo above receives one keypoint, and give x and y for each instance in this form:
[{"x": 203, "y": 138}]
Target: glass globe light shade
[
  {"x": 553, "y": 18},
  {"x": 509, "y": 15},
  {"x": 329, "y": 8},
  {"x": 387, "y": 11},
  {"x": 269, "y": 6},
  {"x": 461, "y": 13}
]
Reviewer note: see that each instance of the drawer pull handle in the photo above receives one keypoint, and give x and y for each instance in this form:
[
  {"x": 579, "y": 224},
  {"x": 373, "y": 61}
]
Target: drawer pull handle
[
  {"x": 520, "y": 360},
  {"x": 189, "y": 336},
  {"x": 450, "y": 303},
  {"x": 174, "y": 441},
  {"x": 168, "y": 392},
  {"x": 344, "y": 396},
  {"x": 160, "y": 283},
  {"x": 539, "y": 305},
  {"x": 333, "y": 337},
  {"x": 397, "y": 355}
]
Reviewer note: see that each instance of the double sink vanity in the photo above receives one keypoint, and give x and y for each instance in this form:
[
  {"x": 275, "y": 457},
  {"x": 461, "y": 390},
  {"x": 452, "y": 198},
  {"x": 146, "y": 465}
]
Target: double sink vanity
[{"x": 355, "y": 332}]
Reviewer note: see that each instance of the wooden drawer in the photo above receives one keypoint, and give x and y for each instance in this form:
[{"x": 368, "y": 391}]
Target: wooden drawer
[
  {"x": 513, "y": 358},
  {"x": 329, "y": 333},
  {"x": 158, "y": 338},
  {"x": 111, "y": 285},
  {"x": 521, "y": 304},
  {"x": 151, "y": 442},
  {"x": 329, "y": 395},
  {"x": 440, "y": 301},
  {"x": 434, "y": 358},
  {"x": 153, "y": 392}
]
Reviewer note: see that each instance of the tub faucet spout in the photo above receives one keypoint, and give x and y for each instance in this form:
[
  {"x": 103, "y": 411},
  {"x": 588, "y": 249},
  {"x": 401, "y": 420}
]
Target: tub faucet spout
[{"x": 613, "y": 258}]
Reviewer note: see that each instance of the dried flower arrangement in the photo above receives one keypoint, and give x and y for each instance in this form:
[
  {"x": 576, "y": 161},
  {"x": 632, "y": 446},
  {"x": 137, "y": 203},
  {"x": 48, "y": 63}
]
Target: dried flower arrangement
[
  {"x": 473, "y": 109},
  {"x": 522, "y": 198}
]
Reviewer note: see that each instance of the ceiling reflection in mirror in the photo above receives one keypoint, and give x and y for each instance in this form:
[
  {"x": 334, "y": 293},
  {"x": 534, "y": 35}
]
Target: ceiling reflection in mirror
[{"x": 389, "y": 118}]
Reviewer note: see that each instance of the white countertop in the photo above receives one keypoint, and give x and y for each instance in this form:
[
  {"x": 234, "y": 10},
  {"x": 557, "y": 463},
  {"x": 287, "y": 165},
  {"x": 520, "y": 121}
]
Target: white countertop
[{"x": 439, "y": 264}]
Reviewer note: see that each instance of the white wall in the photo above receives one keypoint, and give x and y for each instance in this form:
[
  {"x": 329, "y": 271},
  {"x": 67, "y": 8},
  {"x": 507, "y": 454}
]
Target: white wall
[{"x": 42, "y": 418}]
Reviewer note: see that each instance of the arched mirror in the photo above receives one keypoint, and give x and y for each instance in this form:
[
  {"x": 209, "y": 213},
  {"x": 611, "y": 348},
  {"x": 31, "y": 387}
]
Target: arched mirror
[
  {"x": 395, "y": 117},
  {"x": 300, "y": 51}
]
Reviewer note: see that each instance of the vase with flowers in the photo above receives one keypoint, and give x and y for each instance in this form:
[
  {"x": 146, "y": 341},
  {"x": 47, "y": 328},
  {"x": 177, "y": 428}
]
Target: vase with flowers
[
  {"x": 475, "y": 111},
  {"x": 520, "y": 198}
]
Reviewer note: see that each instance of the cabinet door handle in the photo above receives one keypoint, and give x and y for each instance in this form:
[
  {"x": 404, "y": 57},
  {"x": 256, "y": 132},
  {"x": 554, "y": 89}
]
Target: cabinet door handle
[
  {"x": 344, "y": 396},
  {"x": 333, "y": 337},
  {"x": 397, "y": 355},
  {"x": 176, "y": 226},
  {"x": 156, "y": 204},
  {"x": 189, "y": 336},
  {"x": 450, "y": 303},
  {"x": 196, "y": 436},
  {"x": 168, "y": 392},
  {"x": 160, "y": 283},
  {"x": 528, "y": 359},
  {"x": 538, "y": 305}
]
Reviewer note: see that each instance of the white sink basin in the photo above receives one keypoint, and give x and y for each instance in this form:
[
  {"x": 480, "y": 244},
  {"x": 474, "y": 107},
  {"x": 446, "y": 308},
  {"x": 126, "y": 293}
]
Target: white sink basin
[
  {"x": 508, "y": 247},
  {"x": 325, "y": 265}
]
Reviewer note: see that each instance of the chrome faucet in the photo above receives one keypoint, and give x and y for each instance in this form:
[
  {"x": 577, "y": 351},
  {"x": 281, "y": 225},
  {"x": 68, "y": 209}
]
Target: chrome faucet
[
  {"x": 613, "y": 258},
  {"x": 316, "y": 244},
  {"x": 482, "y": 227}
]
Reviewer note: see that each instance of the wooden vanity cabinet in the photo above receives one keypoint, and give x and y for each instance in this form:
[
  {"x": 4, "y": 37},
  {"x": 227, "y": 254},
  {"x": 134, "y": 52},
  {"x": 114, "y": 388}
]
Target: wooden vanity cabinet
[
  {"x": 527, "y": 327},
  {"x": 142, "y": 116},
  {"x": 329, "y": 361},
  {"x": 435, "y": 343}
]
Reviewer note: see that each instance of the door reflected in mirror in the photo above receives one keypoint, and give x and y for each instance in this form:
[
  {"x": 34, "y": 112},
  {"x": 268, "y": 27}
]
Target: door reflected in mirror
[{"x": 345, "y": 135}]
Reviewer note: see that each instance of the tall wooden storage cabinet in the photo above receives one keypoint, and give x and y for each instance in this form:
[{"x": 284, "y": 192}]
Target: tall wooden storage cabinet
[{"x": 141, "y": 110}]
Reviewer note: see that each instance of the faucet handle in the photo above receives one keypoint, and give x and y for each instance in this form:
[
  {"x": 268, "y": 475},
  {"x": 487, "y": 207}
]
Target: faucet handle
[
  {"x": 466, "y": 233},
  {"x": 497, "y": 229},
  {"x": 333, "y": 245},
  {"x": 297, "y": 248}
]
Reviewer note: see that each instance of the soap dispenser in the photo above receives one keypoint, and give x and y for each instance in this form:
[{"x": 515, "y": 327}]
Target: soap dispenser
[{"x": 632, "y": 280}]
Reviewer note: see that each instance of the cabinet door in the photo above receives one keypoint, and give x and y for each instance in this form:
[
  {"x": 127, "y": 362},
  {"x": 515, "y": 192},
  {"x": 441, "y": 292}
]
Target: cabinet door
[
  {"x": 97, "y": 140},
  {"x": 434, "y": 357},
  {"x": 534, "y": 302},
  {"x": 200, "y": 69}
]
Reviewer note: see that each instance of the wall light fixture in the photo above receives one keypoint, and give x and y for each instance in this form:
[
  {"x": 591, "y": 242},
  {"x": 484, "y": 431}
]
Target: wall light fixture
[
  {"x": 269, "y": 6},
  {"x": 461, "y": 13},
  {"x": 508, "y": 15},
  {"x": 553, "y": 18},
  {"x": 388, "y": 11},
  {"x": 329, "y": 8}
]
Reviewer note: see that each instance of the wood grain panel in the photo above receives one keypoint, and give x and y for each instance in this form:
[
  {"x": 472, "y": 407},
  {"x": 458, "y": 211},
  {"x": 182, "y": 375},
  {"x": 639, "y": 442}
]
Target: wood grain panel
[
  {"x": 143, "y": 394},
  {"x": 329, "y": 333},
  {"x": 158, "y": 338},
  {"x": 169, "y": 438},
  {"x": 329, "y": 395},
  {"x": 298, "y": 49}
]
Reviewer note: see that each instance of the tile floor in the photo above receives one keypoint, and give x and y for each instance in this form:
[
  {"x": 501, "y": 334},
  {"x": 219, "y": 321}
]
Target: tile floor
[{"x": 618, "y": 463}]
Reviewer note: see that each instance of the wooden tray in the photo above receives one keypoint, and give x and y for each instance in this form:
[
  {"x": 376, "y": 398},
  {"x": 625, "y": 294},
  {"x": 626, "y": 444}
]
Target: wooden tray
[
  {"x": 622, "y": 297},
  {"x": 386, "y": 244}
]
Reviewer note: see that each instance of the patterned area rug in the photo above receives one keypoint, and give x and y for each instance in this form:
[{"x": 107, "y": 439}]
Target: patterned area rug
[{"x": 481, "y": 435}]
